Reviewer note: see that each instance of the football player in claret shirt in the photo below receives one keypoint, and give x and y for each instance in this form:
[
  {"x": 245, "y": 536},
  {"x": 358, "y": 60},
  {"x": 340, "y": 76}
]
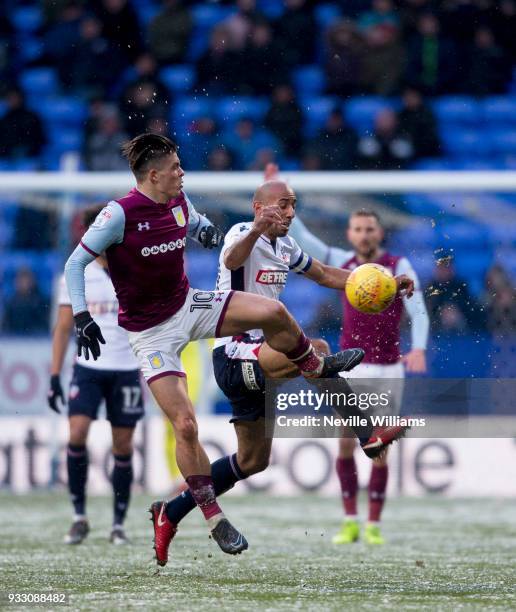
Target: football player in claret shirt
[
  {"x": 114, "y": 377},
  {"x": 144, "y": 236},
  {"x": 379, "y": 336},
  {"x": 257, "y": 257}
]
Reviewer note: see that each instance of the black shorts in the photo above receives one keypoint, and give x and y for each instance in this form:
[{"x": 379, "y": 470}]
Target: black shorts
[
  {"x": 121, "y": 391},
  {"x": 243, "y": 383}
]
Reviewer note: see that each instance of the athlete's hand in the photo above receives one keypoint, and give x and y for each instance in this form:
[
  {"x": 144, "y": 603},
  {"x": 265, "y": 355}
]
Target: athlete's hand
[
  {"x": 55, "y": 392},
  {"x": 88, "y": 335},
  {"x": 265, "y": 217},
  {"x": 211, "y": 236},
  {"x": 415, "y": 361},
  {"x": 405, "y": 284}
]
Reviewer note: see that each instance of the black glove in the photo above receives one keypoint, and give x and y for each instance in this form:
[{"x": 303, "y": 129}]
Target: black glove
[
  {"x": 88, "y": 335},
  {"x": 55, "y": 392},
  {"x": 211, "y": 236}
]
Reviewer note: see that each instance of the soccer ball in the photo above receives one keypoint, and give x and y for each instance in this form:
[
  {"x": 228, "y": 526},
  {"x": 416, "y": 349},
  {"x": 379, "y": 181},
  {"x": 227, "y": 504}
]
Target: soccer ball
[{"x": 370, "y": 288}]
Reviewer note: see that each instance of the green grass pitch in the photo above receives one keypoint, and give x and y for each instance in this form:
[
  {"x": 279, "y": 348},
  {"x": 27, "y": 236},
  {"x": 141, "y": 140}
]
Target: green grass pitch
[{"x": 441, "y": 555}]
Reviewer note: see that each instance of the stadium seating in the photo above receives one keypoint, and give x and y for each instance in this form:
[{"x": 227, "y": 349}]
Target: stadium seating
[{"x": 179, "y": 79}]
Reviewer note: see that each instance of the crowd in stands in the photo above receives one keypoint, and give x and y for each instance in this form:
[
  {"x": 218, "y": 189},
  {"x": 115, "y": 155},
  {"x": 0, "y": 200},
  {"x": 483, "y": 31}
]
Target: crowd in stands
[{"x": 134, "y": 63}]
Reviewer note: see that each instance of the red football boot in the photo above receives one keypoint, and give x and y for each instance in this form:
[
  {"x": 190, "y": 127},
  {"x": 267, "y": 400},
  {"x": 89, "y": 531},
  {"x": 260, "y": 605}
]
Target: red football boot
[
  {"x": 164, "y": 531},
  {"x": 380, "y": 439}
]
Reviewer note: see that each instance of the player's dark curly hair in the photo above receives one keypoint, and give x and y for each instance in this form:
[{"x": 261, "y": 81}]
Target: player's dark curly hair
[{"x": 145, "y": 149}]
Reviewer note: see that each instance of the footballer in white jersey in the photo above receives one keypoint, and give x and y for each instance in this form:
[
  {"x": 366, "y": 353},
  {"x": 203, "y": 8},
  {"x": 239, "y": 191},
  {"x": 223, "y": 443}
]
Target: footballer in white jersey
[{"x": 113, "y": 378}]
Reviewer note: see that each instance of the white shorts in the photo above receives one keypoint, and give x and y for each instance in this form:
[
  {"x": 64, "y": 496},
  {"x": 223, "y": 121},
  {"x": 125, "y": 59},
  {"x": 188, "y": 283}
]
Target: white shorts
[
  {"x": 394, "y": 373},
  {"x": 158, "y": 349}
]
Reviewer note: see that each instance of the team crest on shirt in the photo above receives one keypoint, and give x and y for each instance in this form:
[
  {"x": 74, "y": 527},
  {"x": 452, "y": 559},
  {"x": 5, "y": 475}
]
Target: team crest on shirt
[
  {"x": 156, "y": 360},
  {"x": 179, "y": 216}
]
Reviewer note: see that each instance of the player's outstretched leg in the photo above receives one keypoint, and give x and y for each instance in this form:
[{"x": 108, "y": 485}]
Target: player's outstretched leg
[
  {"x": 381, "y": 438},
  {"x": 283, "y": 334}
]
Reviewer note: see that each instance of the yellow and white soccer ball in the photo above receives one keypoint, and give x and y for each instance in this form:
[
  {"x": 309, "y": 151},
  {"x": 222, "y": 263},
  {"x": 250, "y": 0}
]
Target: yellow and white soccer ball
[{"x": 370, "y": 288}]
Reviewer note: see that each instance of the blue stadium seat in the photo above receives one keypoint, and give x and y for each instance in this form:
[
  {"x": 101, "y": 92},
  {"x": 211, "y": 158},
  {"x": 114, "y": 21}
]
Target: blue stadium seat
[
  {"x": 42, "y": 81},
  {"x": 63, "y": 110},
  {"x": 188, "y": 108},
  {"x": 503, "y": 232},
  {"x": 458, "y": 110},
  {"x": 502, "y": 141},
  {"x": 465, "y": 142},
  {"x": 29, "y": 48},
  {"x": 316, "y": 110},
  {"x": 360, "y": 112},
  {"x": 44, "y": 264},
  {"x": 202, "y": 268},
  {"x": 271, "y": 8},
  {"x": 66, "y": 139},
  {"x": 179, "y": 78},
  {"x": 500, "y": 110},
  {"x": 231, "y": 109},
  {"x": 472, "y": 265},
  {"x": 27, "y": 18},
  {"x": 326, "y": 14},
  {"x": 431, "y": 164},
  {"x": 464, "y": 235},
  {"x": 206, "y": 15},
  {"x": 146, "y": 11},
  {"x": 309, "y": 80}
]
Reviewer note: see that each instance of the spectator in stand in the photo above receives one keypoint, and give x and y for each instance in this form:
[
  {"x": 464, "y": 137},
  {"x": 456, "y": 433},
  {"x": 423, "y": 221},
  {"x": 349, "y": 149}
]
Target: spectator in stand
[
  {"x": 6, "y": 52},
  {"x": 144, "y": 99},
  {"x": 417, "y": 123},
  {"x": 344, "y": 56},
  {"x": 249, "y": 144},
  {"x": 429, "y": 64},
  {"x": 21, "y": 129},
  {"x": 145, "y": 69},
  {"x": 200, "y": 139},
  {"x": 296, "y": 32},
  {"x": 410, "y": 11},
  {"x": 27, "y": 311},
  {"x": 169, "y": 32},
  {"x": 220, "y": 159},
  {"x": 500, "y": 301},
  {"x": 121, "y": 26},
  {"x": 382, "y": 13},
  {"x": 240, "y": 25},
  {"x": 285, "y": 119},
  {"x": 263, "y": 62},
  {"x": 503, "y": 21},
  {"x": 102, "y": 146},
  {"x": 383, "y": 62},
  {"x": 387, "y": 148},
  {"x": 335, "y": 145},
  {"x": 83, "y": 69},
  {"x": 451, "y": 307},
  {"x": 489, "y": 71},
  {"x": 220, "y": 70},
  {"x": 60, "y": 35}
]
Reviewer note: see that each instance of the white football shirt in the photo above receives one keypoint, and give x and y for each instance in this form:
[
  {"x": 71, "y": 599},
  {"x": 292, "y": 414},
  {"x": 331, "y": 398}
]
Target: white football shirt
[
  {"x": 266, "y": 269},
  {"x": 116, "y": 354}
]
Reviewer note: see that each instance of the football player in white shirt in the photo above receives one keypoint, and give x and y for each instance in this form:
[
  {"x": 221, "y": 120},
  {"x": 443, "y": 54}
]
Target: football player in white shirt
[
  {"x": 256, "y": 258},
  {"x": 114, "y": 377}
]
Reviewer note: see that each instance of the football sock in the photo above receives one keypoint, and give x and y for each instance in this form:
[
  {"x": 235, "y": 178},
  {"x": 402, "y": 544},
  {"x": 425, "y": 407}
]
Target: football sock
[
  {"x": 77, "y": 467},
  {"x": 304, "y": 356},
  {"x": 225, "y": 473},
  {"x": 201, "y": 488},
  {"x": 347, "y": 473},
  {"x": 377, "y": 487},
  {"x": 122, "y": 479}
]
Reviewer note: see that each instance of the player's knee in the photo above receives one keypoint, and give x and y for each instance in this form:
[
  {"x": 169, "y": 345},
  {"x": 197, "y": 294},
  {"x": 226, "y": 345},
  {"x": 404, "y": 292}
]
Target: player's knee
[
  {"x": 123, "y": 448},
  {"x": 320, "y": 346},
  {"x": 185, "y": 429},
  {"x": 78, "y": 436},
  {"x": 277, "y": 312}
]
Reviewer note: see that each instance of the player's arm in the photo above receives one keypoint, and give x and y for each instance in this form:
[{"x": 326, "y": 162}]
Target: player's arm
[
  {"x": 107, "y": 229},
  {"x": 327, "y": 276},
  {"x": 201, "y": 229},
  {"x": 415, "y": 359},
  {"x": 60, "y": 341},
  {"x": 237, "y": 253}
]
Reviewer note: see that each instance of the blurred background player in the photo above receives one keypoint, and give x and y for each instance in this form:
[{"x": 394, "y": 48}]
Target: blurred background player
[
  {"x": 114, "y": 377},
  {"x": 379, "y": 335}
]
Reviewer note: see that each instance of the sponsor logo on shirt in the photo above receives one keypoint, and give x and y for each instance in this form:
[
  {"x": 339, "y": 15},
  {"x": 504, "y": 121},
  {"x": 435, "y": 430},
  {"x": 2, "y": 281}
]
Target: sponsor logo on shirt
[
  {"x": 143, "y": 226},
  {"x": 156, "y": 360},
  {"x": 271, "y": 277},
  {"x": 179, "y": 216},
  {"x": 164, "y": 247}
]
